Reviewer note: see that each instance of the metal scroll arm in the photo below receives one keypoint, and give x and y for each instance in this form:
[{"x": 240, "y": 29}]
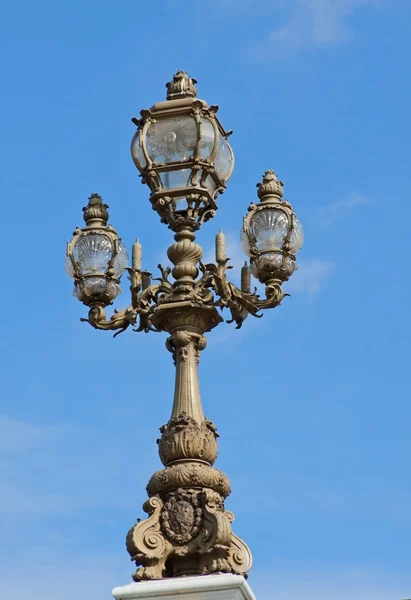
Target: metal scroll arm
[
  {"x": 143, "y": 301},
  {"x": 241, "y": 303}
]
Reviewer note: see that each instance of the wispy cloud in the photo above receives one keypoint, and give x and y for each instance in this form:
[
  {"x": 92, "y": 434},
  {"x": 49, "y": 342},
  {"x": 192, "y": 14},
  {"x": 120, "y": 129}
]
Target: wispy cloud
[
  {"x": 49, "y": 452},
  {"x": 326, "y": 215},
  {"x": 309, "y": 24},
  {"x": 17, "y": 436},
  {"x": 311, "y": 277}
]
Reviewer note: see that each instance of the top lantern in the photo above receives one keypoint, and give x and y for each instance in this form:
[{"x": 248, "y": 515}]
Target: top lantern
[{"x": 182, "y": 153}]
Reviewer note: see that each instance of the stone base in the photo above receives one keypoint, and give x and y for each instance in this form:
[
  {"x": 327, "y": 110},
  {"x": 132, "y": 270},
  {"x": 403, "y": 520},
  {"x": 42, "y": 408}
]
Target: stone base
[{"x": 202, "y": 587}]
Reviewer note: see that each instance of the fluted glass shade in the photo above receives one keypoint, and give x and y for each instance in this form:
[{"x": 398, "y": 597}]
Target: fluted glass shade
[
  {"x": 269, "y": 229},
  {"x": 92, "y": 254}
]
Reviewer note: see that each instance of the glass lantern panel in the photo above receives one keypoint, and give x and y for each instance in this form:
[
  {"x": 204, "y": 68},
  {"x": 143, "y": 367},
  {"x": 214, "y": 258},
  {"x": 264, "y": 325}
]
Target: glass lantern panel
[
  {"x": 92, "y": 253},
  {"x": 245, "y": 242},
  {"x": 69, "y": 266},
  {"x": 175, "y": 179},
  {"x": 172, "y": 140},
  {"x": 207, "y": 138},
  {"x": 181, "y": 204},
  {"x": 224, "y": 160},
  {"x": 210, "y": 184},
  {"x": 268, "y": 229},
  {"x": 121, "y": 260},
  {"x": 137, "y": 152},
  {"x": 296, "y": 237}
]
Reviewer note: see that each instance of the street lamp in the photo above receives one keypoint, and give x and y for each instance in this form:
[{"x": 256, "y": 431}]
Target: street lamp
[{"x": 183, "y": 155}]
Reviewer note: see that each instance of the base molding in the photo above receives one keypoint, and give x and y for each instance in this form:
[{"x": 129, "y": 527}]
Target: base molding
[{"x": 201, "y": 587}]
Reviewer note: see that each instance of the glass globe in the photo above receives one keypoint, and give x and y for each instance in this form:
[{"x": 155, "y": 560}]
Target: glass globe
[
  {"x": 267, "y": 231},
  {"x": 172, "y": 140},
  {"x": 224, "y": 159},
  {"x": 95, "y": 286},
  {"x": 297, "y": 237},
  {"x": 137, "y": 153},
  {"x": 121, "y": 260},
  {"x": 290, "y": 265},
  {"x": 69, "y": 266},
  {"x": 270, "y": 261},
  {"x": 175, "y": 179},
  {"x": 92, "y": 253},
  {"x": 207, "y": 139}
]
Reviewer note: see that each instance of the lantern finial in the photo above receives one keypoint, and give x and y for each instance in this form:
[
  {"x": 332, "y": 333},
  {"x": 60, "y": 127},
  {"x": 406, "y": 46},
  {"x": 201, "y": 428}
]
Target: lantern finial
[
  {"x": 95, "y": 213},
  {"x": 181, "y": 86},
  {"x": 270, "y": 186}
]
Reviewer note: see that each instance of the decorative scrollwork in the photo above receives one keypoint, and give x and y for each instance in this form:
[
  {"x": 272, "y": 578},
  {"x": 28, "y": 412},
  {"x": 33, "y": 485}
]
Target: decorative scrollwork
[
  {"x": 240, "y": 557},
  {"x": 147, "y": 545},
  {"x": 211, "y": 289},
  {"x": 187, "y": 524},
  {"x": 241, "y": 304}
]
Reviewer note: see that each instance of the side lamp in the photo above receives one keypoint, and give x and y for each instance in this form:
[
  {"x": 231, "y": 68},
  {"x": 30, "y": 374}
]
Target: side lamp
[
  {"x": 271, "y": 234},
  {"x": 96, "y": 257}
]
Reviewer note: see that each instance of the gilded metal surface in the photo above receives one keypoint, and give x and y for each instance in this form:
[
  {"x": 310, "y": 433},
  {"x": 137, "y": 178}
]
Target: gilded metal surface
[
  {"x": 201, "y": 198},
  {"x": 270, "y": 193},
  {"x": 95, "y": 215},
  {"x": 188, "y": 530}
]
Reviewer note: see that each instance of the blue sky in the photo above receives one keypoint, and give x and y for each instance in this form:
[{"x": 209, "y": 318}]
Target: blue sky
[{"x": 312, "y": 401}]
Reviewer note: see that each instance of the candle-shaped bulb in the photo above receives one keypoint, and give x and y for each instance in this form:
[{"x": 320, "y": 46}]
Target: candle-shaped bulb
[
  {"x": 220, "y": 253},
  {"x": 137, "y": 256},
  {"x": 245, "y": 279}
]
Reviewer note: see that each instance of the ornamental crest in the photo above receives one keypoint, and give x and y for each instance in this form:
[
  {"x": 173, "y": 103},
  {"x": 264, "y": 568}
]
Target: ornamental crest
[{"x": 182, "y": 517}]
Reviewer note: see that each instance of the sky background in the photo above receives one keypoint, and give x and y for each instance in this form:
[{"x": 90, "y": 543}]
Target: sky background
[{"x": 313, "y": 401}]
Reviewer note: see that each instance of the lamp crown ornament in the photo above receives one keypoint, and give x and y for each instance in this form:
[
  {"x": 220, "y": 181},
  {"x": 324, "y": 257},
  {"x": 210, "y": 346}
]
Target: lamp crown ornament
[
  {"x": 95, "y": 211},
  {"x": 181, "y": 86},
  {"x": 270, "y": 186},
  {"x": 181, "y": 151}
]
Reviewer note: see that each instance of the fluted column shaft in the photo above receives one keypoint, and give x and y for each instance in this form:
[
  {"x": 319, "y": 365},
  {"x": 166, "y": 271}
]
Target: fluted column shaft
[{"x": 187, "y": 397}]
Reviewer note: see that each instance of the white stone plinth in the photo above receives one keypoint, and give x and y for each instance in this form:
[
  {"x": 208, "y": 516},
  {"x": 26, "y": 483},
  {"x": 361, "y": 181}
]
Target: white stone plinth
[{"x": 206, "y": 587}]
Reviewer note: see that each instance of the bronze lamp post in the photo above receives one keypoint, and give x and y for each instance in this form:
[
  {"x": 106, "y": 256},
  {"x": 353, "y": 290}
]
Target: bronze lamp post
[{"x": 183, "y": 155}]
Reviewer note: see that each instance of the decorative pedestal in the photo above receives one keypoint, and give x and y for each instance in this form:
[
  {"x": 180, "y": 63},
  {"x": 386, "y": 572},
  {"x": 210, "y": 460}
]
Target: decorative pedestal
[{"x": 207, "y": 587}]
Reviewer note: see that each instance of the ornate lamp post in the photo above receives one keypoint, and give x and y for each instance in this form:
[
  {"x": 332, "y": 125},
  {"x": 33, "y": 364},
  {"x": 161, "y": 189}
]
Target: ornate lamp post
[{"x": 183, "y": 155}]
